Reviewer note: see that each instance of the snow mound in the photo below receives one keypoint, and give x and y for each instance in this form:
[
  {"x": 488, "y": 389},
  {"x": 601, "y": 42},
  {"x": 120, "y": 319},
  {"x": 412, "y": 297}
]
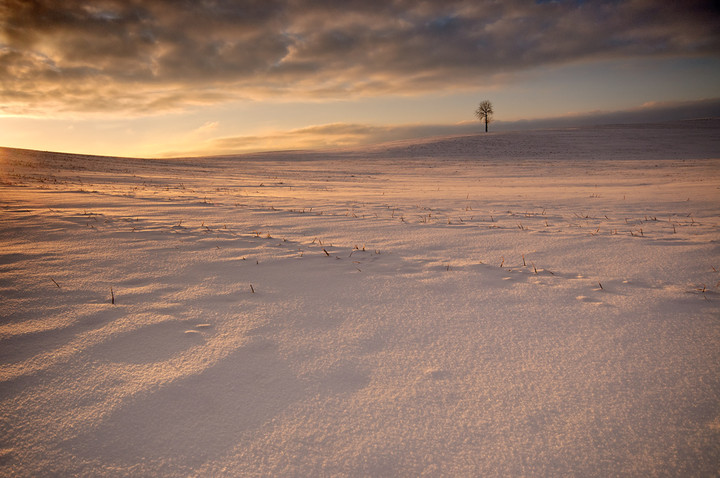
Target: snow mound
[{"x": 518, "y": 304}]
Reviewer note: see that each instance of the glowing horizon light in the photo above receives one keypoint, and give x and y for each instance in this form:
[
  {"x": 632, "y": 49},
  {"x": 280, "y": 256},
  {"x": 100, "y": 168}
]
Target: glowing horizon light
[{"x": 142, "y": 78}]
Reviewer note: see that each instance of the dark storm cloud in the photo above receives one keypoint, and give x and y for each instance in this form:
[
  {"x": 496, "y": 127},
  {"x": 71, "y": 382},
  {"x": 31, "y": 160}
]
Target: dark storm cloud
[{"x": 135, "y": 55}]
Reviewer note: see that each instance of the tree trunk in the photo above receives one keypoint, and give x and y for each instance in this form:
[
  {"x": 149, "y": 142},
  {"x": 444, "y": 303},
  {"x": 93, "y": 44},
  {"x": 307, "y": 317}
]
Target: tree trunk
[{"x": 486, "y": 123}]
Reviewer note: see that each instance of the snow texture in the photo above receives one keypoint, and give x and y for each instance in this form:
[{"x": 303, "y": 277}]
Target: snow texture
[{"x": 540, "y": 303}]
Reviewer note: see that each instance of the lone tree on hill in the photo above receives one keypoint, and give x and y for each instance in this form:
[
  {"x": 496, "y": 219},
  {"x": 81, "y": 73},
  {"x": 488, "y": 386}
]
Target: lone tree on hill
[{"x": 484, "y": 113}]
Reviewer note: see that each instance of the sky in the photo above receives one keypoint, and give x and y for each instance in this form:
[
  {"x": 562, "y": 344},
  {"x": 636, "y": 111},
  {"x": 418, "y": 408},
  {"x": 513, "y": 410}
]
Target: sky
[{"x": 158, "y": 78}]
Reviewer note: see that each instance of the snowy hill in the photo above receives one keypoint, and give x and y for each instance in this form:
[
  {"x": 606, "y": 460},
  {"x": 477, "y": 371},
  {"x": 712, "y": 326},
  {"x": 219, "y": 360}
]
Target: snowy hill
[{"x": 534, "y": 303}]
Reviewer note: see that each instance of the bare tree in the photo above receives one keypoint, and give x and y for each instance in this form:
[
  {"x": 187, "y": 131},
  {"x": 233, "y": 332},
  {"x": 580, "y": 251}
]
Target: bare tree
[{"x": 484, "y": 113}]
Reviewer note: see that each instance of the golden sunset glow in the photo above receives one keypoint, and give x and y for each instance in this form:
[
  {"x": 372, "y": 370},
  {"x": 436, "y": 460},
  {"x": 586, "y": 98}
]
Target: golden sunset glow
[{"x": 146, "y": 78}]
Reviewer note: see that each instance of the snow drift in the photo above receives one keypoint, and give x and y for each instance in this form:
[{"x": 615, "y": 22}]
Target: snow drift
[{"x": 517, "y": 304}]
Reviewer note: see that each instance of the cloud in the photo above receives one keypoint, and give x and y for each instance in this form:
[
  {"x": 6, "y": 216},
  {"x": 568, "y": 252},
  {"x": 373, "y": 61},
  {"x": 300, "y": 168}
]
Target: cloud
[
  {"x": 206, "y": 128},
  {"x": 138, "y": 57},
  {"x": 334, "y": 135},
  {"x": 649, "y": 112}
]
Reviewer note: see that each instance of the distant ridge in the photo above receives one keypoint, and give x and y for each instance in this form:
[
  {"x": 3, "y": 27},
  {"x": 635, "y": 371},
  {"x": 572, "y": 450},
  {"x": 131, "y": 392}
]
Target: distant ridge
[
  {"x": 684, "y": 139},
  {"x": 688, "y": 139}
]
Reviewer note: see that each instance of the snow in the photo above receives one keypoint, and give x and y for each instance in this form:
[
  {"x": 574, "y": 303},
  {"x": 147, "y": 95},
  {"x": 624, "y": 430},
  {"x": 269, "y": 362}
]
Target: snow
[{"x": 514, "y": 304}]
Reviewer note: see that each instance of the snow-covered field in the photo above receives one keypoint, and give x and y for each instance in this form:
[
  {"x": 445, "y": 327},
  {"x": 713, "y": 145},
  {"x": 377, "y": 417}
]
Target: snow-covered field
[{"x": 517, "y": 304}]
